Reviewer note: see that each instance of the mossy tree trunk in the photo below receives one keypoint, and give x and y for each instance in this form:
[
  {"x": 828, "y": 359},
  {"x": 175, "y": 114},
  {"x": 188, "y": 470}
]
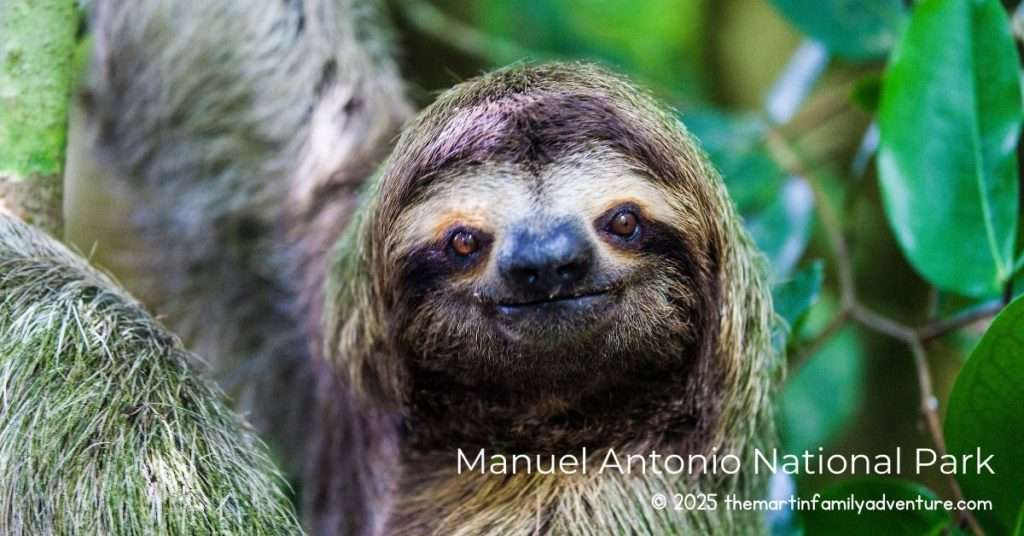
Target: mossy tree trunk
[{"x": 37, "y": 39}]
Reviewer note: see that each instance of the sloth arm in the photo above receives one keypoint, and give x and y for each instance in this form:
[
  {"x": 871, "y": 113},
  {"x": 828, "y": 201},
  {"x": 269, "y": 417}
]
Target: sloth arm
[
  {"x": 105, "y": 424},
  {"x": 239, "y": 134}
]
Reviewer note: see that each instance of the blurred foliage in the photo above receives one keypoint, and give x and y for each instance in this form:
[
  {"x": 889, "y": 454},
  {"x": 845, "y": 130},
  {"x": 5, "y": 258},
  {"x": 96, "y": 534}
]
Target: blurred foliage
[
  {"x": 794, "y": 297},
  {"x": 777, "y": 208},
  {"x": 822, "y": 396},
  {"x": 915, "y": 259},
  {"x": 885, "y": 273},
  {"x": 853, "y": 29},
  {"x": 658, "y": 39}
]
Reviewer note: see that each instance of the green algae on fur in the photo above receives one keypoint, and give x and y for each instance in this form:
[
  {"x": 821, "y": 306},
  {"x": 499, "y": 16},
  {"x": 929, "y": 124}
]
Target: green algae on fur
[{"x": 105, "y": 424}]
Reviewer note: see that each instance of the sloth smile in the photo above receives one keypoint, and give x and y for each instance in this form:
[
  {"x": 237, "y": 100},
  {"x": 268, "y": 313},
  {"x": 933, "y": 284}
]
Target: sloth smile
[{"x": 563, "y": 303}]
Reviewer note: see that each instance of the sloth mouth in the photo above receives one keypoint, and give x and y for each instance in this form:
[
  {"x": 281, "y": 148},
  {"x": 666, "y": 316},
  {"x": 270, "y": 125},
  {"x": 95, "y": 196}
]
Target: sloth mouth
[{"x": 580, "y": 301}]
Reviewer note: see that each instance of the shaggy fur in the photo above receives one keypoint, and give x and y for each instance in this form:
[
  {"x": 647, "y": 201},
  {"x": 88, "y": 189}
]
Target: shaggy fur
[
  {"x": 104, "y": 426},
  {"x": 249, "y": 137},
  {"x": 205, "y": 110},
  {"x": 705, "y": 389}
]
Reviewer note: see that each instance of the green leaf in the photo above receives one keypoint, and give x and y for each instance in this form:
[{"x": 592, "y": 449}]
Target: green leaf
[
  {"x": 736, "y": 145},
  {"x": 853, "y": 29},
  {"x": 950, "y": 120},
  {"x": 912, "y": 522},
  {"x": 777, "y": 210},
  {"x": 986, "y": 411},
  {"x": 794, "y": 297},
  {"x": 823, "y": 395}
]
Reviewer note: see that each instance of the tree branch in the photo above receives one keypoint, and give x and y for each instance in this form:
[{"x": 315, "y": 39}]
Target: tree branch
[
  {"x": 938, "y": 328},
  {"x": 37, "y": 39}
]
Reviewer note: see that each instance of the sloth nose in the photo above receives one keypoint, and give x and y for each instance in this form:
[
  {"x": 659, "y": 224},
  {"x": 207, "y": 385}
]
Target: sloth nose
[{"x": 545, "y": 263}]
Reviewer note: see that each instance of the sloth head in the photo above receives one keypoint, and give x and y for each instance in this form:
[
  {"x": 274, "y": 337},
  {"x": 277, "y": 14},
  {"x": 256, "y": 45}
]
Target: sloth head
[
  {"x": 534, "y": 265},
  {"x": 543, "y": 242}
]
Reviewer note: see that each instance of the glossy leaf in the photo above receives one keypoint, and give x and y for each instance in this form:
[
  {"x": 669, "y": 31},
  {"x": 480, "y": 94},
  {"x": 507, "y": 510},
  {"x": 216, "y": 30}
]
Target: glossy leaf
[
  {"x": 950, "y": 120},
  {"x": 853, "y": 29},
  {"x": 986, "y": 410},
  {"x": 823, "y": 395},
  {"x": 885, "y": 521}
]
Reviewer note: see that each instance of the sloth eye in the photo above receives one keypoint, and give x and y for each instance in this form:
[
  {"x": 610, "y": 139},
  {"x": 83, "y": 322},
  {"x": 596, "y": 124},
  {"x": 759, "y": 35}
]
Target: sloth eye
[
  {"x": 624, "y": 224},
  {"x": 465, "y": 243}
]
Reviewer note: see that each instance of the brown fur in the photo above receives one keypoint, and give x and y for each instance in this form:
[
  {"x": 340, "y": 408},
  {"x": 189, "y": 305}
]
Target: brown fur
[
  {"x": 247, "y": 137},
  {"x": 205, "y": 111},
  {"x": 427, "y": 376}
]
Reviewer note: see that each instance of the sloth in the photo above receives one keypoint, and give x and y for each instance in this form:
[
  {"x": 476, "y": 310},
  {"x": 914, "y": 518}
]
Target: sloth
[
  {"x": 546, "y": 262},
  {"x": 542, "y": 262}
]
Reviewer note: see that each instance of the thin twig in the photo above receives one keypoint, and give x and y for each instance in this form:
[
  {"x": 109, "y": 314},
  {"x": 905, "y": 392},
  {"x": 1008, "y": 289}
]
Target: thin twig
[
  {"x": 930, "y": 410},
  {"x": 940, "y": 327},
  {"x": 784, "y": 153},
  {"x": 851, "y": 308},
  {"x": 882, "y": 324}
]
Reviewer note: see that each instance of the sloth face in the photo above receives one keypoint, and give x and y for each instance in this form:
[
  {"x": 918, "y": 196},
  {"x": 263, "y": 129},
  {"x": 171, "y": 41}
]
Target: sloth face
[
  {"x": 539, "y": 228},
  {"x": 547, "y": 260},
  {"x": 580, "y": 265}
]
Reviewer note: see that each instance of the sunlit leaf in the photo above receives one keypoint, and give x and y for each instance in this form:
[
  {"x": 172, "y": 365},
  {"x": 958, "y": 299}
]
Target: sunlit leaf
[
  {"x": 909, "y": 522},
  {"x": 853, "y": 29},
  {"x": 986, "y": 411},
  {"x": 822, "y": 395},
  {"x": 950, "y": 120}
]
